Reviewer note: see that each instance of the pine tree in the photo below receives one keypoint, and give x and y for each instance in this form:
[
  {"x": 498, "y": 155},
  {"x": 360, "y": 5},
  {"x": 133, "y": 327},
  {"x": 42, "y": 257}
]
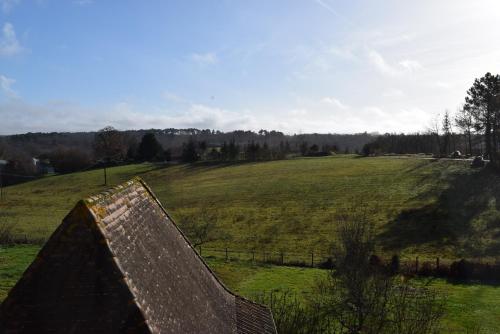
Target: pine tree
[
  {"x": 189, "y": 153},
  {"x": 150, "y": 149},
  {"x": 482, "y": 103}
]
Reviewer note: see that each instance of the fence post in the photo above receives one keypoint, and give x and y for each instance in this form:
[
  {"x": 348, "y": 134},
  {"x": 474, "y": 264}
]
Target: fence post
[
  {"x": 253, "y": 256},
  {"x": 226, "y": 254},
  {"x": 312, "y": 259},
  {"x": 437, "y": 263},
  {"x": 416, "y": 265},
  {"x": 282, "y": 258}
]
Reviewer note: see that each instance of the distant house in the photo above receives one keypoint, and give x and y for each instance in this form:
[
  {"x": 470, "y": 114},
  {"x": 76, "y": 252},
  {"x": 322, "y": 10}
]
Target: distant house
[
  {"x": 119, "y": 264},
  {"x": 43, "y": 166}
]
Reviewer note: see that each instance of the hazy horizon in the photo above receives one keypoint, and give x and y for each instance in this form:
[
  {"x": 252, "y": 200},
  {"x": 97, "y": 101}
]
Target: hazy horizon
[{"x": 301, "y": 66}]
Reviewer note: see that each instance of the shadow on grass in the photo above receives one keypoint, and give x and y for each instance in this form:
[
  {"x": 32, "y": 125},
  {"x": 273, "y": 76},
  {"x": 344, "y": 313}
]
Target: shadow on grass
[{"x": 449, "y": 218}]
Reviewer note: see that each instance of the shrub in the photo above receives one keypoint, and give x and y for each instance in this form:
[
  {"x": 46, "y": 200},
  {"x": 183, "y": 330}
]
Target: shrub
[
  {"x": 395, "y": 264},
  {"x": 295, "y": 316},
  {"x": 6, "y": 233}
]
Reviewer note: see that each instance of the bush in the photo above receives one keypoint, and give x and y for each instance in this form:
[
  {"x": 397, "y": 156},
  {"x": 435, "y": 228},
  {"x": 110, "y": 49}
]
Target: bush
[
  {"x": 6, "y": 233},
  {"x": 395, "y": 264},
  {"x": 295, "y": 316},
  {"x": 326, "y": 264},
  {"x": 361, "y": 295}
]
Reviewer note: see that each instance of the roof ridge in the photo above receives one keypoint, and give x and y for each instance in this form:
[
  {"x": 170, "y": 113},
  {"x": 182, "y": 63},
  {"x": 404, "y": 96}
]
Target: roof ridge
[{"x": 129, "y": 283}]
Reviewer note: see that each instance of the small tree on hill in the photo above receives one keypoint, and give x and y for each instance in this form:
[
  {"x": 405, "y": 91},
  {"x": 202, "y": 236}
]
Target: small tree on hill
[
  {"x": 109, "y": 146},
  {"x": 200, "y": 226}
]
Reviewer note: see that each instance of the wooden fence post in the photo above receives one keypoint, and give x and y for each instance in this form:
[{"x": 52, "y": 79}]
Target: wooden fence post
[
  {"x": 253, "y": 256},
  {"x": 437, "y": 263},
  {"x": 226, "y": 255},
  {"x": 282, "y": 258},
  {"x": 312, "y": 259}
]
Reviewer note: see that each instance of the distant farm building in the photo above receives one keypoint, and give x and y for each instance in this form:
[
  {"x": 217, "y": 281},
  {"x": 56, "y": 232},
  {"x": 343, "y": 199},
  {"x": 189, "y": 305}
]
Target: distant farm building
[
  {"x": 43, "y": 166},
  {"x": 118, "y": 264}
]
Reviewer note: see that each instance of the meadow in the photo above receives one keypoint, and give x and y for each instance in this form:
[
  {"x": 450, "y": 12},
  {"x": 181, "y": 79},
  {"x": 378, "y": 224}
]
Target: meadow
[
  {"x": 419, "y": 207},
  {"x": 469, "y": 307}
]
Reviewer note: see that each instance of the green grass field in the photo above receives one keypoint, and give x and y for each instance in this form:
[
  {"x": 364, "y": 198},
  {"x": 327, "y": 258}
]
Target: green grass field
[
  {"x": 421, "y": 207},
  {"x": 468, "y": 306}
]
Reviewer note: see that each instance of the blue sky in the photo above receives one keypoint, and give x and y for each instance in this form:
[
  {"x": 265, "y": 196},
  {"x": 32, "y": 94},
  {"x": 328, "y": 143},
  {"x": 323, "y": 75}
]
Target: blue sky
[{"x": 291, "y": 65}]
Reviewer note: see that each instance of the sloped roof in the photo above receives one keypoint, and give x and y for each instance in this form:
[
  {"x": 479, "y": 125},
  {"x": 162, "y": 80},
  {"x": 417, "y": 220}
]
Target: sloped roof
[{"x": 119, "y": 264}]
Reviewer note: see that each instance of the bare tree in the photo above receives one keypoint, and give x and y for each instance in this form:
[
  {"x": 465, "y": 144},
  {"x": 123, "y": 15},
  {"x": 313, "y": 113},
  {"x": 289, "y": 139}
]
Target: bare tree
[
  {"x": 200, "y": 226},
  {"x": 434, "y": 129},
  {"x": 363, "y": 297},
  {"x": 447, "y": 132},
  {"x": 465, "y": 122},
  {"x": 109, "y": 145}
]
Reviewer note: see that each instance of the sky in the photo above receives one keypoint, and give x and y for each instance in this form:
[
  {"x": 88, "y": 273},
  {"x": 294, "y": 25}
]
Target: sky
[{"x": 296, "y": 66}]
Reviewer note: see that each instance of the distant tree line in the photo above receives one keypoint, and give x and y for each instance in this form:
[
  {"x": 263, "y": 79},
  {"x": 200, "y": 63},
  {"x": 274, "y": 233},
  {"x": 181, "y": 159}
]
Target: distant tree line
[{"x": 71, "y": 152}]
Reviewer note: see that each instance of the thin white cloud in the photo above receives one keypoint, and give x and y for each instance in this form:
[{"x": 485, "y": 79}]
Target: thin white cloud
[
  {"x": 83, "y": 2},
  {"x": 172, "y": 97},
  {"x": 389, "y": 40},
  {"x": 7, "y": 5},
  {"x": 6, "y": 87},
  {"x": 208, "y": 58},
  {"x": 442, "y": 85},
  {"x": 9, "y": 45},
  {"x": 334, "y": 102},
  {"x": 380, "y": 64},
  {"x": 298, "y": 112},
  {"x": 374, "y": 111},
  {"x": 344, "y": 52},
  {"x": 410, "y": 65},
  {"x": 19, "y": 116},
  {"x": 393, "y": 93},
  {"x": 403, "y": 67},
  {"x": 199, "y": 116},
  {"x": 326, "y": 5}
]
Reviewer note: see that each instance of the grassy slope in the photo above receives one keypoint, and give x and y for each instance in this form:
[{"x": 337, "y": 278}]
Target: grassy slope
[
  {"x": 468, "y": 306},
  {"x": 421, "y": 207}
]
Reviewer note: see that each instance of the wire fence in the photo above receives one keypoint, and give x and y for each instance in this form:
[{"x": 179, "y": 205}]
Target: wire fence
[
  {"x": 312, "y": 259},
  {"x": 475, "y": 269}
]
